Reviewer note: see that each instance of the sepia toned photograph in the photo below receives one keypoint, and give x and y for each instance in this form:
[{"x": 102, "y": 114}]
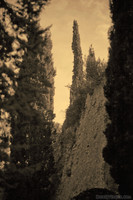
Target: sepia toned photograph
[{"x": 66, "y": 99}]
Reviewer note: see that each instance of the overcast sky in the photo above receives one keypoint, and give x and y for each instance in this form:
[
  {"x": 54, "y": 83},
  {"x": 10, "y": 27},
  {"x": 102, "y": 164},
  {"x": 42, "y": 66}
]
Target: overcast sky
[{"x": 93, "y": 18}]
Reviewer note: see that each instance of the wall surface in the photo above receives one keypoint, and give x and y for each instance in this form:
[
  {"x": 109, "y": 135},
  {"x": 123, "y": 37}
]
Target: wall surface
[{"x": 83, "y": 164}]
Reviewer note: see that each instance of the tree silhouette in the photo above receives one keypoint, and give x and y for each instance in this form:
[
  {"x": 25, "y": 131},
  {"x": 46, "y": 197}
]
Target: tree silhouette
[{"x": 119, "y": 93}]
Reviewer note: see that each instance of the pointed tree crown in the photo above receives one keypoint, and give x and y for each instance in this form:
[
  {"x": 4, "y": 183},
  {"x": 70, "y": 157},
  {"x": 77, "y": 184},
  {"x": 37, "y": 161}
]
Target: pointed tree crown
[
  {"x": 91, "y": 63},
  {"x": 78, "y": 61}
]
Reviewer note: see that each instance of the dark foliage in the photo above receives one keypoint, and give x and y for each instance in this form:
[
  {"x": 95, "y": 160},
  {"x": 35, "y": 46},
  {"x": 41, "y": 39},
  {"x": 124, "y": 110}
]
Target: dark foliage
[
  {"x": 75, "y": 110},
  {"x": 95, "y": 76},
  {"x": 76, "y": 48},
  {"x": 28, "y": 173},
  {"x": 77, "y": 78},
  {"x": 95, "y": 71},
  {"x": 119, "y": 93}
]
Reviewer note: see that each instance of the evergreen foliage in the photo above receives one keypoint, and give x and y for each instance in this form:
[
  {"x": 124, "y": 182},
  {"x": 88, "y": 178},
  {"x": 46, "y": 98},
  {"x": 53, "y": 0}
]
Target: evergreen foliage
[
  {"x": 77, "y": 89},
  {"x": 75, "y": 110},
  {"x": 77, "y": 79},
  {"x": 95, "y": 76},
  {"x": 7, "y": 81},
  {"x": 50, "y": 71},
  {"x": 78, "y": 61},
  {"x": 30, "y": 172},
  {"x": 119, "y": 93},
  {"x": 95, "y": 71},
  {"x": 30, "y": 145}
]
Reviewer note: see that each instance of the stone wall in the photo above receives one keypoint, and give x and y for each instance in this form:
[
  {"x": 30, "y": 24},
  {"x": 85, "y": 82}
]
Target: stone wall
[{"x": 82, "y": 161}]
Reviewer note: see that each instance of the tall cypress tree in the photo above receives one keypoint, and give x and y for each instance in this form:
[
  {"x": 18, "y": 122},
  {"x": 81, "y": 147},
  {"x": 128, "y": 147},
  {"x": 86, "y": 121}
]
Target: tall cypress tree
[
  {"x": 77, "y": 79},
  {"x": 119, "y": 92}
]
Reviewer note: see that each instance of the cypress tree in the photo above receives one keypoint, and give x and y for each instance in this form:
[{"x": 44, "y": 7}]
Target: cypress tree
[
  {"x": 77, "y": 89},
  {"x": 31, "y": 152},
  {"x": 50, "y": 71},
  {"x": 77, "y": 79},
  {"x": 91, "y": 63},
  {"x": 91, "y": 67},
  {"x": 119, "y": 93},
  {"x": 94, "y": 71}
]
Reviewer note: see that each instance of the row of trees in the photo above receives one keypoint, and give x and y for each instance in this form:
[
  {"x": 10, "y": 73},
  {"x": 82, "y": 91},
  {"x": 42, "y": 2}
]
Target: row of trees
[
  {"x": 26, "y": 95},
  {"x": 83, "y": 82},
  {"x": 26, "y": 98}
]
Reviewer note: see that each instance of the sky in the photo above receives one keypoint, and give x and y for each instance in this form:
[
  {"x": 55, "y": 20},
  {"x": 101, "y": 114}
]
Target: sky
[{"x": 93, "y": 18}]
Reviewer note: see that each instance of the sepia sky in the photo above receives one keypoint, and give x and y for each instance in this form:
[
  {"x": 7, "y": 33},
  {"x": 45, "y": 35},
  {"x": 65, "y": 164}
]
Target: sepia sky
[{"x": 93, "y": 18}]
